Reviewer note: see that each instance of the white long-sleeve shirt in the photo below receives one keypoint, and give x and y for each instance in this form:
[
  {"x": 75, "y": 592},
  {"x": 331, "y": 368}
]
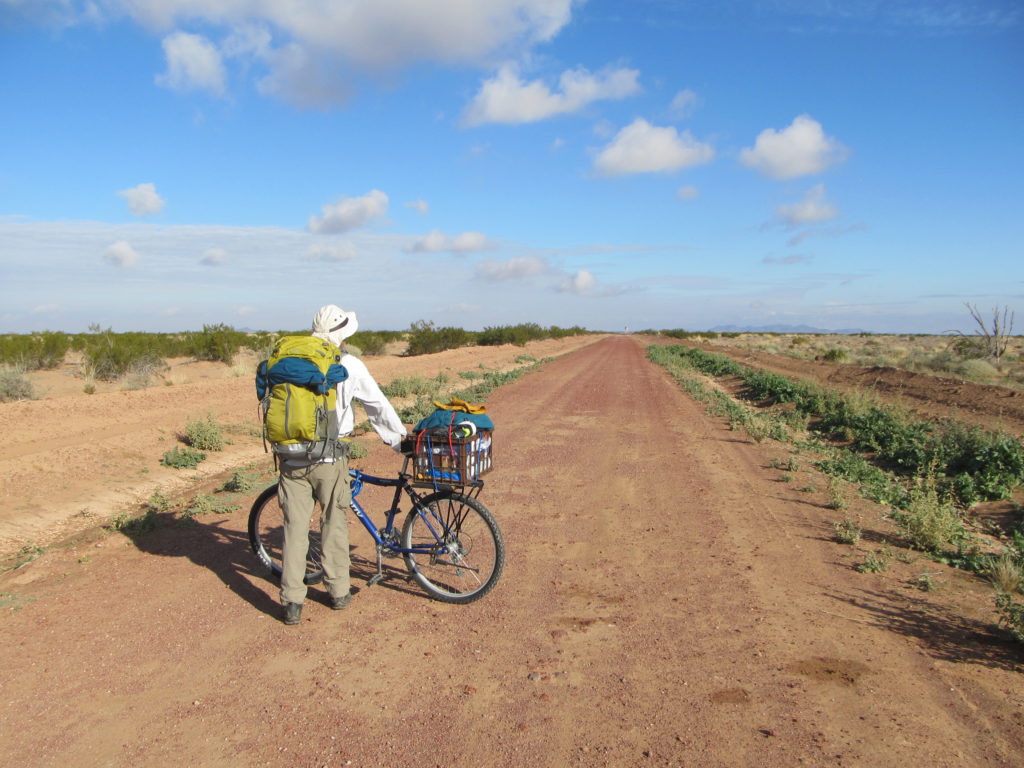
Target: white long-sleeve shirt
[{"x": 360, "y": 385}]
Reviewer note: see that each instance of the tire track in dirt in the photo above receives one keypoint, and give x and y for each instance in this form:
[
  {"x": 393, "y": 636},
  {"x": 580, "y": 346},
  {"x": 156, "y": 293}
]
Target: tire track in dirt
[{"x": 664, "y": 602}]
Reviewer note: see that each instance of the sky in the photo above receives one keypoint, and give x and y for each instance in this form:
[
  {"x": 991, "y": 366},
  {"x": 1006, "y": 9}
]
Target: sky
[{"x": 841, "y": 164}]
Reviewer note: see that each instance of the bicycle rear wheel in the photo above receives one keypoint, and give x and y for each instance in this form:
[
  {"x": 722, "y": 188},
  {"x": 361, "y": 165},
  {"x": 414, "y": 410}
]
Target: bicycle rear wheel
[
  {"x": 266, "y": 536},
  {"x": 465, "y": 548}
]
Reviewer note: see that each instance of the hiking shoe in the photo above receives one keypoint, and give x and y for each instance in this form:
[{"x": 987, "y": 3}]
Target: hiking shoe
[
  {"x": 292, "y": 613},
  {"x": 341, "y": 602}
]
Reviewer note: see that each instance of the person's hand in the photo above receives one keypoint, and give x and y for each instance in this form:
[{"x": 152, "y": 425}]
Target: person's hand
[{"x": 406, "y": 445}]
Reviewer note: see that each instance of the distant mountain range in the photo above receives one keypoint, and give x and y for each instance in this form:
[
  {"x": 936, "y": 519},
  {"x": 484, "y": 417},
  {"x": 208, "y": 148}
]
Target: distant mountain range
[{"x": 780, "y": 329}]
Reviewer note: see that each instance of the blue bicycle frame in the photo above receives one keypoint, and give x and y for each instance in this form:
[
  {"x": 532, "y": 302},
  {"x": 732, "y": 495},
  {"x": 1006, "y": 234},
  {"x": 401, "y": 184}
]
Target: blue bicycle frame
[{"x": 386, "y": 538}]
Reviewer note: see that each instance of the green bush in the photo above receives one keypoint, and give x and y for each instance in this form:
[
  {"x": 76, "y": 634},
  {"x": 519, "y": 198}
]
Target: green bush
[
  {"x": 930, "y": 523},
  {"x": 993, "y": 461},
  {"x": 426, "y": 339},
  {"x": 1011, "y": 615},
  {"x": 205, "y": 435},
  {"x": 14, "y": 385},
  {"x": 847, "y": 531},
  {"x": 34, "y": 351},
  {"x": 182, "y": 458},
  {"x": 835, "y": 355},
  {"x": 206, "y": 504},
  {"x": 407, "y": 386},
  {"x": 109, "y": 356},
  {"x": 373, "y": 342},
  {"x": 239, "y": 482},
  {"x": 217, "y": 343}
]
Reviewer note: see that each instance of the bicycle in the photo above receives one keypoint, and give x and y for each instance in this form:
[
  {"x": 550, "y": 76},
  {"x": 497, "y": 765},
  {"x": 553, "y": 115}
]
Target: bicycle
[{"x": 450, "y": 541}]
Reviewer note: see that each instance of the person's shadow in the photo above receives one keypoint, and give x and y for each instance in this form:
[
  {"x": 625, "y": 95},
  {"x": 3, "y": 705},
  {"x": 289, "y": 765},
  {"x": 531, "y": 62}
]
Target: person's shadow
[{"x": 220, "y": 543}]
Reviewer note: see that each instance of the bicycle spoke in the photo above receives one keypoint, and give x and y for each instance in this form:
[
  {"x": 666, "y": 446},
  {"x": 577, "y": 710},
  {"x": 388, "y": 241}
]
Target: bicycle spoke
[{"x": 464, "y": 545}]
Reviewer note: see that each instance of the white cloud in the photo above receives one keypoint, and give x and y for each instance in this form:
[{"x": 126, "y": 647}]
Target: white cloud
[
  {"x": 143, "y": 200},
  {"x": 689, "y": 192},
  {"x": 580, "y": 282},
  {"x": 644, "y": 148},
  {"x": 345, "y": 251},
  {"x": 801, "y": 149},
  {"x": 349, "y": 213},
  {"x": 45, "y": 309},
  {"x": 304, "y": 80},
  {"x": 505, "y": 98},
  {"x": 121, "y": 254},
  {"x": 327, "y": 40},
  {"x": 516, "y": 268},
  {"x": 193, "y": 64},
  {"x": 812, "y": 209},
  {"x": 214, "y": 257},
  {"x": 420, "y": 206},
  {"x": 436, "y": 241},
  {"x": 684, "y": 103}
]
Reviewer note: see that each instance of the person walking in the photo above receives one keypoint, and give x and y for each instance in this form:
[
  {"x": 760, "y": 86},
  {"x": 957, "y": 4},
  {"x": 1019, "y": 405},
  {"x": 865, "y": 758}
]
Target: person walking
[{"x": 304, "y": 481}]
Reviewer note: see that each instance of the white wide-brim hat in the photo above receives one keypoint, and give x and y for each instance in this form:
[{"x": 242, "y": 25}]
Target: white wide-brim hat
[{"x": 334, "y": 324}]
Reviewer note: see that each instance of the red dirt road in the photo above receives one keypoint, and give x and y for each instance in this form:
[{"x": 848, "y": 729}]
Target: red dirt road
[{"x": 665, "y": 602}]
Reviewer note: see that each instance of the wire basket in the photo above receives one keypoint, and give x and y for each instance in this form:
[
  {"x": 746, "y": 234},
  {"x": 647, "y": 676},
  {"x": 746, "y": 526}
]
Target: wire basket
[{"x": 443, "y": 459}]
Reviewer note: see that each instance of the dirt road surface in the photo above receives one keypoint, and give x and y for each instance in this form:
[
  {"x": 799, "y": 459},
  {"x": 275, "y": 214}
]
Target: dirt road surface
[{"x": 665, "y": 602}]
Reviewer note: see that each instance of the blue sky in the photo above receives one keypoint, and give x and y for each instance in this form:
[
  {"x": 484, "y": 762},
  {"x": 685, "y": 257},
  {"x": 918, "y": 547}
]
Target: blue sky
[{"x": 166, "y": 164}]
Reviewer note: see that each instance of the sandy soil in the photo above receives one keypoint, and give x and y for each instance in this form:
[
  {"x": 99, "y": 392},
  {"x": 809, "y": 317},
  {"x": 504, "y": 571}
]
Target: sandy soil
[{"x": 666, "y": 602}]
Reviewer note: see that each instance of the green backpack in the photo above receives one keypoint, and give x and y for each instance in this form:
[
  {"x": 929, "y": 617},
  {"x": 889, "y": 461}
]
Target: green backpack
[{"x": 297, "y": 386}]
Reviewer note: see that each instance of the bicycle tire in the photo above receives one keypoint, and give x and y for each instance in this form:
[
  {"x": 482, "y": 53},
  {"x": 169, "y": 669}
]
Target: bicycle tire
[
  {"x": 266, "y": 536},
  {"x": 476, "y": 548}
]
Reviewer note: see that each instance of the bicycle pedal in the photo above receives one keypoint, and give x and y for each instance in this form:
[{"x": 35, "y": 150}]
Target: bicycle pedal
[{"x": 375, "y": 579}]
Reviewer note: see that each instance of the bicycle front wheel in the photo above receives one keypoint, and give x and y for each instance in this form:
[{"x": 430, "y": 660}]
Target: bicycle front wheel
[
  {"x": 463, "y": 549},
  {"x": 266, "y": 536}
]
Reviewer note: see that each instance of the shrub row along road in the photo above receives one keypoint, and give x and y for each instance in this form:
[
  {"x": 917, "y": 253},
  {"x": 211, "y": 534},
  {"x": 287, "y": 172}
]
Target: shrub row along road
[{"x": 664, "y": 602}]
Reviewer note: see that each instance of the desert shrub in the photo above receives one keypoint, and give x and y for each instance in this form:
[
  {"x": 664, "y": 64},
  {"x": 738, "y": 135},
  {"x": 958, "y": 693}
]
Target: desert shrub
[
  {"x": 426, "y": 339},
  {"x": 34, "y": 351},
  {"x": 407, "y": 386},
  {"x": 876, "y": 561},
  {"x": 978, "y": 370},
  {"x": 217, "y": 343},
  {"x": 206, "y": 504},
  {"x": 371, "y": 342},
  {"x": 239, "y": 482},
  {"x": 930, "y": 523},
  {"x": 993, "y": 460},
  {"x": 205, "y": 434},
  {"x": 182, "y": 458},
  {"x": 423, "y": 407},
  {"x": 511, "y": 334},
  {"x": 132, "y": 525},
  {"x": 1011, "y": 615},
  {"x": 836, "y": 494},
  {"x": 158, "y": 501},
  {"x": 847, "y": 531},
  {"x": 110, "y": 356},
  {"x": 968, "y": 347},
  {"x": 14, "y": 385},
  {"x": 835, "y": 355},
  {"x": 142, "y": 372}
]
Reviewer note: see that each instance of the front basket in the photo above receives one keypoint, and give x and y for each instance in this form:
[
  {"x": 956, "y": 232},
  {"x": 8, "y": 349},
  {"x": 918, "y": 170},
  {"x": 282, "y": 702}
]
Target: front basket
[{"x": 448, "y": 460}]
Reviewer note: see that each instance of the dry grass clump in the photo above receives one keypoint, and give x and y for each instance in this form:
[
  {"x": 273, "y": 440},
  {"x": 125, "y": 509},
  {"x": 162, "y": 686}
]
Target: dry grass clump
[{"x": 1006, "y": 573}]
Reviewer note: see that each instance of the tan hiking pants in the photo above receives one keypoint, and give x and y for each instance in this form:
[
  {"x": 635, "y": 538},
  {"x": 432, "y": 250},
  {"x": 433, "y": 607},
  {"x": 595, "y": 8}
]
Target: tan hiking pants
[{"x": 327, "y": 484}]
